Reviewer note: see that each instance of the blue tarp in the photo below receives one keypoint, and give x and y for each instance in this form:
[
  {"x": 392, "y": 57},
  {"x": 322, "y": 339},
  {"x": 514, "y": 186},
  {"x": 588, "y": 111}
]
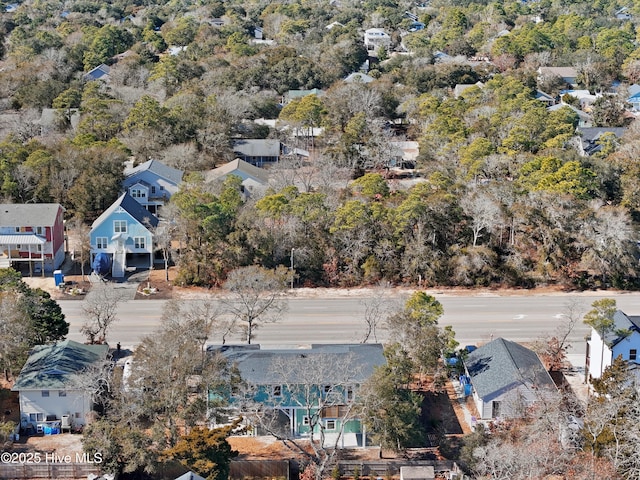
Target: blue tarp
[{"x": 101, "y": 264}]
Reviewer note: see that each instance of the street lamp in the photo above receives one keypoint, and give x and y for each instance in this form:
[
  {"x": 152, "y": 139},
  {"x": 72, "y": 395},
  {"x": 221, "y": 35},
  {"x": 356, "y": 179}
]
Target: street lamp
[{"x": 292, "y": 250}]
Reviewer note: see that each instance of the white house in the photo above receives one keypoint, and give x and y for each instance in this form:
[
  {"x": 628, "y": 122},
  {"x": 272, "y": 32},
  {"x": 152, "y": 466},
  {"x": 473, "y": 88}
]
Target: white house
[
  {"x": 152, "y": 183},
  {"x": 52, "y": 394},
  {"x": 506, "y": 378},
  {"x": 623, "y": 339},
  {"x": 374, "y": 38}
]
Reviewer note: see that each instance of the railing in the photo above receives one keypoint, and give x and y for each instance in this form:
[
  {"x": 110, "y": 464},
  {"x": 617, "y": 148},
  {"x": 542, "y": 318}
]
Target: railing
[{"x": 48, "y": 470}]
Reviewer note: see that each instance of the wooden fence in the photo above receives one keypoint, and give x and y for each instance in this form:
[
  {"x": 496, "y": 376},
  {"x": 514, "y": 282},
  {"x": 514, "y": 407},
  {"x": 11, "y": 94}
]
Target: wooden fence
[
  {"x": 48, "y": 470},
  {"x": 271, "y": 469},
  {"x": 381, "y": 468}
]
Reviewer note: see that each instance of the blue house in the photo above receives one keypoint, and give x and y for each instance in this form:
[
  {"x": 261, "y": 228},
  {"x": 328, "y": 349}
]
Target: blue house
[
  {"x": 305, "y": 392},
  {"x": 123, "y": 231},
  {"x": 634, "y": 97},
  {"x": 152, "y": 183}
]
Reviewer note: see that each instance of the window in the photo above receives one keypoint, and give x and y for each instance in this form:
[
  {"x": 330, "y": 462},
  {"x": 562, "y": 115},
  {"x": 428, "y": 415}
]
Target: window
[
  {"x": 101, "y": 242},
  {"x": 330, "y": 424},
  {"x": 39, "y": 231},
  {"x": 349, "y": 393},
  {"x": 276, "y": 391},
  {"x": 38, "y": 248},
  {"x": 327, "y": 389},
  {"x": 137, "y": 193},
  {"x": 18, "y": 246},
  {"x": 161, "y": 188},
  {"x": 633, "y": 354},
  {"x": 138, "y": 242},
  {"x": 36, "y": 417},
  {"x": 153, "y": 189},
  {"x": 62, "y": 393},
  {"x": 120, "y": 226},
  {"x": 17, "y": 229},
  {"x": 305, "y": 421},
  {"x": 495, "y": 409},
  {"x": 45, "y": 393}
]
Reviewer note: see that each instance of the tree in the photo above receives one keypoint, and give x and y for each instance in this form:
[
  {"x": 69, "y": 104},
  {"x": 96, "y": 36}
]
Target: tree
[
  {"x": 391, "y": 411},
  {"x": 304, "y": 383},
  {"x": 100, "y": 307},
  {"x": 255, "y": 297},
  {"x": 376, "y": 309},
  {"x": 601, "y": 319},
  {"x": 47, "y": 320},
  {"x": 415, "y": 328},
  {"x": 206, "y": 451},
  {"x": 552, "y": 349}
]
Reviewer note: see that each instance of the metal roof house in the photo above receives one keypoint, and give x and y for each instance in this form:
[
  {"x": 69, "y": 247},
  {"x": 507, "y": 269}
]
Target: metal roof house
[
  {"x": 506, "y": 378},
  {"x": 32, "y": 233},
  {"x": 123, "y": 231},
  {"x": 48, "y": 385},
  {"x": 310, "y": 388}
]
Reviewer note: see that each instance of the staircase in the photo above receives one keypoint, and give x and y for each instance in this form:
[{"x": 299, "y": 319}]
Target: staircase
[{"x": 119, "y": 264}]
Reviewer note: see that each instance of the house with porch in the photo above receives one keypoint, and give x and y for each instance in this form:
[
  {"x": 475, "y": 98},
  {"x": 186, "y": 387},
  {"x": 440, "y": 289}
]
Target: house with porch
[
  {"x": 258, "y": 151},
  {"x": 621, "y": 340},
  {"x": 506, "y": 378},
  {"x": 51, "y": 391},
  {"x": 152, "y": 183},
  {"x": 124, "y": 233},
  {"x": 32, "y": 235},
  {"x": 306, "y": 389}
]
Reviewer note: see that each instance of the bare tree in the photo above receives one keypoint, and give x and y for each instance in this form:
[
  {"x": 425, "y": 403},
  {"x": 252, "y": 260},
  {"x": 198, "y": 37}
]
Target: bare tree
[
  {"x": 100, "y": 307},
  {"x": 376, "y": 309},
  {"x": 483, "y": 211},
  {"x": 81, "y": 243},
  {"x": 553, "y": 348},
  {"x": 322, "y": 385},
  {"x": 255, "y": 297}
]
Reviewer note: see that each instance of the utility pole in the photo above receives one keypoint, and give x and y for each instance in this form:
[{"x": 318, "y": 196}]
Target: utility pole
[{"x": 292, "y": 274}]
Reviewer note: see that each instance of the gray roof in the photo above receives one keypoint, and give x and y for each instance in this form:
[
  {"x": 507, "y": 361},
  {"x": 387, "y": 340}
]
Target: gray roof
[
  {"x": 28, "y": 214},
  {"x": 257, "y": 366},
  {"x": 133, "y": 208},
  {"x": 623, "y": 324},
  {"x": 238, "y": 164},
  {"x": 501, "y": 364},
  {"x": 172, "y": 174},
  {"x": 52, "y": 366},
  {"x": 190, "y": 476},
  {"x": 592, "y": 134},
  {"x": 257, "y": 148}
]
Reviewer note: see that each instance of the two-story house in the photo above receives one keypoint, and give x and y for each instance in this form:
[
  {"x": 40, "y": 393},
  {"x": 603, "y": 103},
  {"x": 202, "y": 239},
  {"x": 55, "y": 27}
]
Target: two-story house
[
  {"x": 374, "y": 38},
  {"x": 604, "y": 347},
  {"x": 307, "y": 389},
  {"x": 124, "y": 232},
  {"x": 52, "y": 394},
  {"x": 32, "y": 234},
  {"x": 152, "y": 183}
]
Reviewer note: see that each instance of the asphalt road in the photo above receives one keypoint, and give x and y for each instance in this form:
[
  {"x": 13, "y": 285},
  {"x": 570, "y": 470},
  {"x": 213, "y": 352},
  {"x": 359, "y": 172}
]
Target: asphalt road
[{"x": 475, "y": 318}]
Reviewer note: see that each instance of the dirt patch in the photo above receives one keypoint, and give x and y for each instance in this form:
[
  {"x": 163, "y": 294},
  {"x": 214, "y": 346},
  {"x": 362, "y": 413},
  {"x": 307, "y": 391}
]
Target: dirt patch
[
  {"x": 62, "y": 445},
  {"x": 266, "y": 447},
  {"x": 157, "y": 287}
]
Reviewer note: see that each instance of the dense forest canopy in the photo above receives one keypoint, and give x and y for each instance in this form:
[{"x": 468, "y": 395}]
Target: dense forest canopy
[{"x": 507, "y": 196}]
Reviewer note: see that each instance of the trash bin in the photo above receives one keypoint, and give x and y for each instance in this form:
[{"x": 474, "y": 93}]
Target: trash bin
[{"x": 58, "y": 277}]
